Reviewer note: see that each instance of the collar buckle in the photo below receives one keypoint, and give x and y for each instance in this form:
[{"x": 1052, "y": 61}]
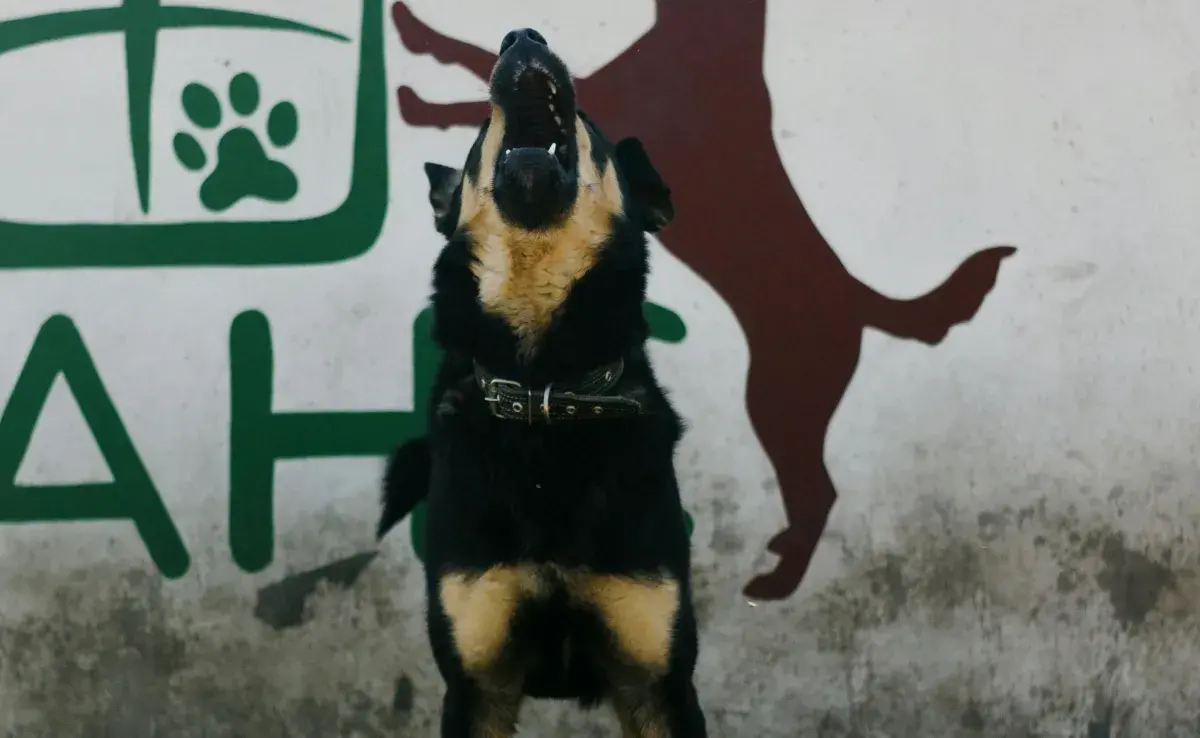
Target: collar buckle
[{"x": 510, "y": 400}]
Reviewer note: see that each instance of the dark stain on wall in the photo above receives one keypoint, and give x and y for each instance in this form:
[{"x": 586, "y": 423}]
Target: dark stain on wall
[
  {"x": 1102, "y": 726},
  {"x": 995, "y": 586},
  {"x": 1134, "y": 583},
  {"x": 972, "y": 718},
  {"x": 105, "y": 652},
  {"x": 402, "y": 698},
  {"x": 944, "y": 564},
  {"x": 728, "y": 536},
  {"x": 281, "y": 605}
]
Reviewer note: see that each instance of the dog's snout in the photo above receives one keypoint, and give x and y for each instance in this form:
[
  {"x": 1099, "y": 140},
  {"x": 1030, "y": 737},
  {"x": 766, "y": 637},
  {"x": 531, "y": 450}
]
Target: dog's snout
[{"x": 523, "y": 34}]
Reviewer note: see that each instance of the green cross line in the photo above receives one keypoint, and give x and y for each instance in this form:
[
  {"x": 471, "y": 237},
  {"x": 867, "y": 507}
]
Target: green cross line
[{"x": 139, "y": 21}]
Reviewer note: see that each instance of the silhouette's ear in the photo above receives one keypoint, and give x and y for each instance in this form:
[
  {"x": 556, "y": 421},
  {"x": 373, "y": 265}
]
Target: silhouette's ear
[
  {"x": 651, "y": 197},
  {"x": 443, "y": 186}
]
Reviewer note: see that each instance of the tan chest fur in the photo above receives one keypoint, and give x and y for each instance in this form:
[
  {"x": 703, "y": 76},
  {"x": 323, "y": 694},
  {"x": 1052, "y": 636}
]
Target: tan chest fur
[{"x": 525, "y": 276}]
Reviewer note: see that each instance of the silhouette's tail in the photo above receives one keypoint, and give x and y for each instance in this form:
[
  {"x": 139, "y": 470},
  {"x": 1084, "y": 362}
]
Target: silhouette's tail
[
  {"x": 930, "y": 317},
  {"x": 405, "y": 483}
]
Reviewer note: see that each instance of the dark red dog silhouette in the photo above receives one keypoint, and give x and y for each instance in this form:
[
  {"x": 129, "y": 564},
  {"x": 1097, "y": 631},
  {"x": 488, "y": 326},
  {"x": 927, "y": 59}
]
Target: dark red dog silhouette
[{"x": 692, "y": 89}]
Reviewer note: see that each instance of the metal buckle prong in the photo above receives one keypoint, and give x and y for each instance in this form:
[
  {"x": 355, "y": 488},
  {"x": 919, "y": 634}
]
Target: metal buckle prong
[{"x": 492, "y": 393}]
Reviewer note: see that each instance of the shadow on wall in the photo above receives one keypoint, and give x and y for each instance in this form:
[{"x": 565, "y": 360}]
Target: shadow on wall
[{"x": 802, "y": 312}]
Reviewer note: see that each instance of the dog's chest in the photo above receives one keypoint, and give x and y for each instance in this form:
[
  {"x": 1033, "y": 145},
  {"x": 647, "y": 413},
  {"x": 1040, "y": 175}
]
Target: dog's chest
[{"x": 525, "y": 279}]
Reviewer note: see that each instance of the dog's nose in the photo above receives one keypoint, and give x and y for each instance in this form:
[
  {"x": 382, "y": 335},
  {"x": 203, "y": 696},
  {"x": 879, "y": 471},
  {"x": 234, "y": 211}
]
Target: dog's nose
[{"x": 523, "y": 34}]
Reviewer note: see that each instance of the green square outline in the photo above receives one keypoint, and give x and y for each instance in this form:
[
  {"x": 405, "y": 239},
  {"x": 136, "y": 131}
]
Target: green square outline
[{"x": 348, "y": 231}]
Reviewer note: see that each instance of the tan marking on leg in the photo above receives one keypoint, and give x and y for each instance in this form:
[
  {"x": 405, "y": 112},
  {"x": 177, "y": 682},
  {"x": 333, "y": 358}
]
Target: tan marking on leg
[
  {"x": 640, "y": 613},
  {"x": 481, "y": 607}
]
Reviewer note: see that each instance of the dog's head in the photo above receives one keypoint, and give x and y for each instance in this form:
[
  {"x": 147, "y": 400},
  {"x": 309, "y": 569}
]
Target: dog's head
[{"x": 539, "y": 164}]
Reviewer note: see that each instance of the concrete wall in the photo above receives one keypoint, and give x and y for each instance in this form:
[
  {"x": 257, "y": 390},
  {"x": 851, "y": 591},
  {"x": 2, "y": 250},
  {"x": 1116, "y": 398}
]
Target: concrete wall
[{"x": 1012, "y": 551}]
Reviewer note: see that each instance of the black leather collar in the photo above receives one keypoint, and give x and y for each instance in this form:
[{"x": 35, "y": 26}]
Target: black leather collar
[{"x": 587, "y": 398}]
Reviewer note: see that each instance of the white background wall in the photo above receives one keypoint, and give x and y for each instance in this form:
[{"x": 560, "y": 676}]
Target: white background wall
[{"x": 1014, "y": 549}]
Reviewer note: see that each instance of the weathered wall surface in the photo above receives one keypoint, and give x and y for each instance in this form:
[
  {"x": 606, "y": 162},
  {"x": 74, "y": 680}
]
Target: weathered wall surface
[{"x": 190, "y": 453}]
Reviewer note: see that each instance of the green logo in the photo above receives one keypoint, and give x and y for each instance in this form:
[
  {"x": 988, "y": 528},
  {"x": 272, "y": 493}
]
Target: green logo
[{"x": 241, "y": 166}]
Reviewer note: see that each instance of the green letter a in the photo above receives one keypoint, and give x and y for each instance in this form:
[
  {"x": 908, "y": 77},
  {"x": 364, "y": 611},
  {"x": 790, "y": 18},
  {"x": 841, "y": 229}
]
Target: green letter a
[{"x": 131, "y": 495}]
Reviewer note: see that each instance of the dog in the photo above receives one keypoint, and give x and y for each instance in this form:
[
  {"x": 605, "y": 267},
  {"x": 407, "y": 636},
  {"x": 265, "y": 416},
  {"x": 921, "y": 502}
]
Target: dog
[
  {"x": 693, "y": 86},
  {"x": 556, "y": 556}
]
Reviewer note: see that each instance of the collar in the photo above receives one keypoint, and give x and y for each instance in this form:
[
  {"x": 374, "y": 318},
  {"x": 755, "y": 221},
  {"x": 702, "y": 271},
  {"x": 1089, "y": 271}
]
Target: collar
[{"x": 587, "y": 398}]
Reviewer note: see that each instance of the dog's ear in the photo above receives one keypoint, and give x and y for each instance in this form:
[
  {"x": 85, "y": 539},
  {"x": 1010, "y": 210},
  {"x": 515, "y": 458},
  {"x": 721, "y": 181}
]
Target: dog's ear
[
  {"x": 443, "y": 185},
  {"x": 652, "y": 198}
]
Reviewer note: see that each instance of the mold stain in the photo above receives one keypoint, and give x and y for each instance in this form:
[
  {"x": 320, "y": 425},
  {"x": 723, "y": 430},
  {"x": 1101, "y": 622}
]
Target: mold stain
[
  {"x": 109, "y": 652},
  {"x": 1042, "y": 585},
  {"x": 962, "y": 624},
  {"x": 1134, "y": 583}
]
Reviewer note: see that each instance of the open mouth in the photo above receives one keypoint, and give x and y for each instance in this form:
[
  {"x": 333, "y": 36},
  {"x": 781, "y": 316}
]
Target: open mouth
[
  {"x": 539, "y": 114},
  {"x": 537, "y": 165}
]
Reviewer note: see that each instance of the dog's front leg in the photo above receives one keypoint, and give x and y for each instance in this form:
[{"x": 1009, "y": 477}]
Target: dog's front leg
[
  {"x": 666, "y": 709},
  {"x": 483, "y": 694},
  {"x": 469, "y": 711},
  {"x": 653, "y": 628}
]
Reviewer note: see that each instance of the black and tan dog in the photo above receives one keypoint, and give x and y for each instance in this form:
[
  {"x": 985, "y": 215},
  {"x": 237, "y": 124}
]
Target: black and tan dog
[{"x": 556, "y": 553}]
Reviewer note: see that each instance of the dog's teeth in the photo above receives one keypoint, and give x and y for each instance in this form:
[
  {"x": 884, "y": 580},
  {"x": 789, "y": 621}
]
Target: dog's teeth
[
  {"x": 558, "y": 120},
  {"x": 553, "y": 89},
  {"x": 551, "y": 106},
  {"x": 507, "y": 152},
  {"x": 553, "y": 148}
]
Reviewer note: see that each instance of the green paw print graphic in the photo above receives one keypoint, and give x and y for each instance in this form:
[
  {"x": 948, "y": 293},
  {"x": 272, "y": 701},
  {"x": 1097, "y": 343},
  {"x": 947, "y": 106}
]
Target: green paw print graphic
[{"x": 243, "y": 167}]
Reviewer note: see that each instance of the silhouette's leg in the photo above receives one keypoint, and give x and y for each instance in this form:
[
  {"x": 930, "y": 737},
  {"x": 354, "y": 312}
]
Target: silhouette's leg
[
  {"x": 930, "y": 317},
  {"x": 791, "y": 397},
  {"x": 419, "y": 112},
  {"x": 421, "y": 39},
  {"x": 805, "y": 525},
  {"x": 796, "y": 544}
]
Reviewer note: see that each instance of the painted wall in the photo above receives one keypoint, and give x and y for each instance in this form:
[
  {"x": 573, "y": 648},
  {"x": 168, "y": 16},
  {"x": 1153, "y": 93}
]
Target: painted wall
[{"x": 214, "y": 254}]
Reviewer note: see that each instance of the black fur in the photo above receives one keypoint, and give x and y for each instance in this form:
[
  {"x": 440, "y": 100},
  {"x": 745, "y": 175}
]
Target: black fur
[
  {"x": 443, "y": 194},
  {"x": 405, "y": 483},
  {"x": 595, "y": 496},
  {"x": 651, "y": 198}
]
